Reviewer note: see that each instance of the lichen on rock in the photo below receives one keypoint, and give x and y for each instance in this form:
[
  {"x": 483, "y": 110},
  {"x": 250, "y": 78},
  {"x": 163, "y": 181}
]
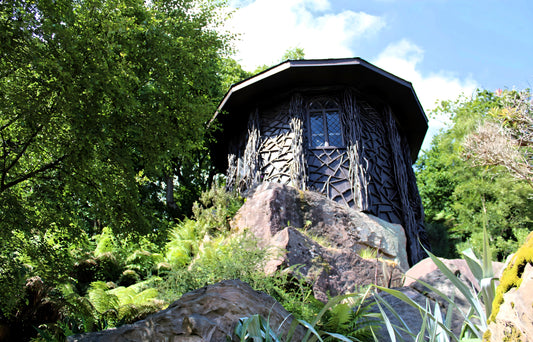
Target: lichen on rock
[{"x": 512, "y": 309}]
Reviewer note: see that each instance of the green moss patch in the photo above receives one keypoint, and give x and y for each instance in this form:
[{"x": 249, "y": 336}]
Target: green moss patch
[{"x": 512, "y": 275}]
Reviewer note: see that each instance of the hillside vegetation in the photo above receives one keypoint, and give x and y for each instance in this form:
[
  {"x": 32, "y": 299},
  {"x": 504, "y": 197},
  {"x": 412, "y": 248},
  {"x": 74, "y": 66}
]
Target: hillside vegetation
[
  {"x": 107, "y": 212},
  {"x": 479, "y": 171}
]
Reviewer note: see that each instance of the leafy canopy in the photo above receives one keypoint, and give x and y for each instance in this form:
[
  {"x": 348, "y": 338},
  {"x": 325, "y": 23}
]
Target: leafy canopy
[
  {"x": 101, "y": 102},
  {"x": 455, "y": 193}
]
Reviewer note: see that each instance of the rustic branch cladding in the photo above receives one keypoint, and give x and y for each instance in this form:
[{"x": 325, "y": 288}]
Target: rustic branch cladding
[
  {"x": 328, "y": 174},
  {"x": 382, "y": 189},
  {"x": 372, "y": 172},
  {"x": 276, "y": 150}
]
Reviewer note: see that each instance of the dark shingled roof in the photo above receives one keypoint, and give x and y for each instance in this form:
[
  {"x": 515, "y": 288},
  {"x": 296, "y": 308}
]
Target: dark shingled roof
[{"x": 301, "y": 74}]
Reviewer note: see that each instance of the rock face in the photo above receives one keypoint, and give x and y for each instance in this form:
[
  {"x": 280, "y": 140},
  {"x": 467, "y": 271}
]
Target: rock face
[
  {"x": 324, "y": 237},
  {"x": 207, "y": 314},
  {"x": 512, "y": 311},
  {"x": 514, "y": 321},
  {"x": 427, "y": 271}
]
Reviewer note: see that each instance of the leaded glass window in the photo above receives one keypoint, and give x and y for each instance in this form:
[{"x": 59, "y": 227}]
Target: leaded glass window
[{"x": 325, "y": 124}]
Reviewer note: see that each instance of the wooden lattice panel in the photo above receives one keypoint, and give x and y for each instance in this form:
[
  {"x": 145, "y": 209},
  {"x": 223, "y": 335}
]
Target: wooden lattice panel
[
  {"x": 384, "y": 200},
  {"x": 328, "y": 174},
  {"x": 275, "y": 147}
]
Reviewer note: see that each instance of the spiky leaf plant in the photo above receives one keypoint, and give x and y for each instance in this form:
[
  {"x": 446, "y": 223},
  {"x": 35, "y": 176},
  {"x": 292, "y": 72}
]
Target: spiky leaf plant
[{"x": 475, "y": 319}]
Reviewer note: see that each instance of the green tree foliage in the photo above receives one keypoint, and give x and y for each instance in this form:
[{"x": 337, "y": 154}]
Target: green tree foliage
[
  {"x": 506, "y": 137},
  {"x": 455, "y": 193},
  {"x": 294, "y": 53},
  {"x": 102, "y": 102}
]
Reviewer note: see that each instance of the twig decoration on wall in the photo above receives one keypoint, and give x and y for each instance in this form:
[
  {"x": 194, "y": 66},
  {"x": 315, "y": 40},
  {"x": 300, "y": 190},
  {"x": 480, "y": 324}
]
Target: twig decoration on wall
[{"x": 298, "y": 165}]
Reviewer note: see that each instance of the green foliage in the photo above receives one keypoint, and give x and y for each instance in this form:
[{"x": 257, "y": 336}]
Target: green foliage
[
  {"x": 454, "y": 191},
  {"x": 14, "y": 275},
  {"x": 144, "y": 262},
  {"x": 294, "y": 53},
  {"x": 342, "y": 321},
  {"x": 101, "y": 102},
  {"x": 255, "y": 328},
  {"x": 215, "y": 208},
  {"x": 105, "y": 242},
  {"x": 216, "y": 259},
  {"x": 352, "y": 317},
  {"x": 107, "y": 81},
  {"x": 108, "y": 306},
  {"x": 231, "y": 73},
  {"x": 182, "y": 244},
  {"x": 368, "y": 253}
]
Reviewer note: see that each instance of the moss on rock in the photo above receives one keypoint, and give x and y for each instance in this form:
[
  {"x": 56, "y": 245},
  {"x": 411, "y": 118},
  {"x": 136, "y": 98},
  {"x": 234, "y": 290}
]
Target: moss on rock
[{"x": 512, "y": 275}]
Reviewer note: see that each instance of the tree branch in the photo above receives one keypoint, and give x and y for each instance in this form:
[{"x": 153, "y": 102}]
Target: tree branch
[{"x": 5, "y": 186}]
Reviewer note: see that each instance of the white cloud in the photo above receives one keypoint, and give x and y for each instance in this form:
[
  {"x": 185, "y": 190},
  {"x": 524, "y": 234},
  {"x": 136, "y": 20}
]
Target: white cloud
[
  {"x": 401, "y": 59},
  {"x": 269, "y": 27}
]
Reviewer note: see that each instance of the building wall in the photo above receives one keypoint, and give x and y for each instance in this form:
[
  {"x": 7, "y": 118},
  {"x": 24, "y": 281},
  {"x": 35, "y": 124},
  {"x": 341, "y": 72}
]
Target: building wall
[{"x": 372, "y": 172}]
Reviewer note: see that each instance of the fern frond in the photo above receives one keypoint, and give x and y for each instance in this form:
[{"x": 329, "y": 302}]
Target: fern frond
[
  {"x": 339, "y": 318},
  {"x": 101, "y": 299}
]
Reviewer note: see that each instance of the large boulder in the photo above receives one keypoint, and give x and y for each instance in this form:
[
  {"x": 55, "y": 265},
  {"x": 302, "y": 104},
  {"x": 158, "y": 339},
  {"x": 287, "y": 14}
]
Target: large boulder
[
  {"x": 512, "y": 310},
  {"x": 209, "y": 314},
  {"x": 324, "y": 238}
]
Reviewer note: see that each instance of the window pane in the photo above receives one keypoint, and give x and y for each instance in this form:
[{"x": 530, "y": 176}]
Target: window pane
[
  {"x": 334, "y": 128},
  {"x": 317, "y": 129}
]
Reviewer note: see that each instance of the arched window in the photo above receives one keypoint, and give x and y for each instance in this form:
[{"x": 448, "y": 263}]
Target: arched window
[{"x": 325, "y": 124}]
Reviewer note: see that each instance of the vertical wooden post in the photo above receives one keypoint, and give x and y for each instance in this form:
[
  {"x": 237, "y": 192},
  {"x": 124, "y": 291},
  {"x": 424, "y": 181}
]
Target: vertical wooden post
[
  {"x": 231, "y": 173},
  {"x": 298, "y": 165},
  {"x": 351, "y": 123},
  {"x": 402, "y": 170},
  {"x": 251, "y": 161}
]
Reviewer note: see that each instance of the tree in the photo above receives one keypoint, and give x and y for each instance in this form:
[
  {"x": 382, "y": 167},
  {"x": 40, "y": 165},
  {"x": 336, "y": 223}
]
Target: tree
[
  {"x": 294, "y": 53},
  {"x": 455, "y": 193},
  {"x": 99, "y": 102},
  {"x": 506, "y": 137},
  {"x": 104, "y": 86}
]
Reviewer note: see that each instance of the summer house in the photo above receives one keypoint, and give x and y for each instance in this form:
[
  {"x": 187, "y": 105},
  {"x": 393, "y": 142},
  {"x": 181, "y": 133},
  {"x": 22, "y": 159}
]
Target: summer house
[{"x": 341, "y": 127}]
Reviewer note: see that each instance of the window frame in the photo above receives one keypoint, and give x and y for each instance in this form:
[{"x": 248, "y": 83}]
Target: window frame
[{"x": 324, "y": 110}]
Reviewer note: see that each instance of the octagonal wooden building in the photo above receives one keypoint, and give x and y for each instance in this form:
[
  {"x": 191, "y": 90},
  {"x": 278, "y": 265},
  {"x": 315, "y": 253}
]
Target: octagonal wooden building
[{"x": 341, "y": 127}]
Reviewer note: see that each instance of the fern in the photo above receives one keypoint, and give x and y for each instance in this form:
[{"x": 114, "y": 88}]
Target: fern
[
  {"x": 352, "y": 318},
  {"x": 339, "y": 317},
  {"x": 182, "y": 244},
  {"x": 101, "y": 299},
  {"x": 123, "y": 304},
  {"x": 105, "y": 242},
  {"x": 143, "y": 262}
]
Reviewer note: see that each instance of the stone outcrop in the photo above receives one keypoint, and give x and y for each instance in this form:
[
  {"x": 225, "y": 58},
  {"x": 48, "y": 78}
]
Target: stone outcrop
[
  {"x": 512, "y": 311},
  {"x": 207, "y": 314},
  {"x": 324, "y": 238}
]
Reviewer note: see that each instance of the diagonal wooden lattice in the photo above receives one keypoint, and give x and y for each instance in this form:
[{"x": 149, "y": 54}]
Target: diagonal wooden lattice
[
  {"x": 328, "y": 174},
  {"x": 384, "y": 199},
  {"x": 275, "y": 149}
]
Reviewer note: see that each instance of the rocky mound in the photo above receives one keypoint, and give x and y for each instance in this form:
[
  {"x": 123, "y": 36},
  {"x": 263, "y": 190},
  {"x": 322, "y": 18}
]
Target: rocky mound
[{"x": 324, "y": 238}]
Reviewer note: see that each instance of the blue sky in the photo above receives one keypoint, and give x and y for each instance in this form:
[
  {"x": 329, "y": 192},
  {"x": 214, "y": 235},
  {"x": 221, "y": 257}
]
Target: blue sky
[{"x": 444, "y": 47}]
